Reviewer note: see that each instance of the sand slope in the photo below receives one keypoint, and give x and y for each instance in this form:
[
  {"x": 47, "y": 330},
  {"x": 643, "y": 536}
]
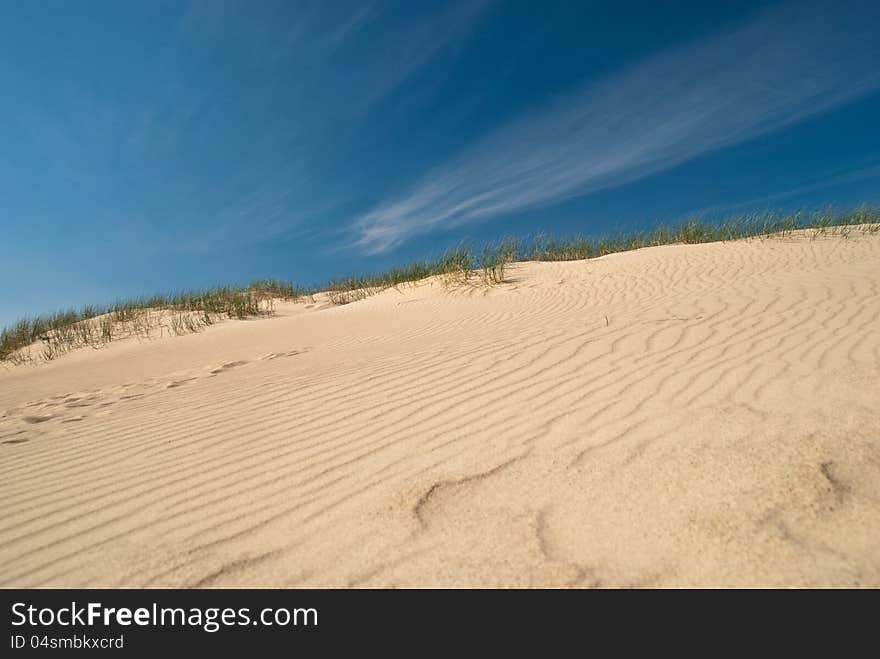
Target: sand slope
[{"x": 682, "y": 415}]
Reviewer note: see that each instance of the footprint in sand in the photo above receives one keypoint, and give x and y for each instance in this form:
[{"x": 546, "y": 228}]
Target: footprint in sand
[
  {"x": 7, "y": 439},
  {"x": 227, "y": 366},
  {"x": 37, "y": 419},
  {"x": 178, "y": 383},
  {"x": 85, "y": 403},
  {"x": 277, "y": 355}
]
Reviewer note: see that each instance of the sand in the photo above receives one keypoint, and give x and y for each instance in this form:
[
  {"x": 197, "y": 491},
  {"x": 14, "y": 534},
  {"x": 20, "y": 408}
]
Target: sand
[{"x": 704, "y": 415}]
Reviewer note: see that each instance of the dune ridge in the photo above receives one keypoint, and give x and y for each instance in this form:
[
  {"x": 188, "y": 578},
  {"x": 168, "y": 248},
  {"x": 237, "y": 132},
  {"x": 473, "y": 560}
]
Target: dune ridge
[{"x": 683, "y": 415}]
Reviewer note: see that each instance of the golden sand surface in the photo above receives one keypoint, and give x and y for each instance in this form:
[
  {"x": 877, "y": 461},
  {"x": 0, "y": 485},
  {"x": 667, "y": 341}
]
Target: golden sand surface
[{"x": 687, "y": 415}]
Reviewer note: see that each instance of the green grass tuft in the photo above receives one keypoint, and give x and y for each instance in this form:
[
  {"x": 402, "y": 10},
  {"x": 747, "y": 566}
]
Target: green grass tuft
[{"x": 179, "y": 313}]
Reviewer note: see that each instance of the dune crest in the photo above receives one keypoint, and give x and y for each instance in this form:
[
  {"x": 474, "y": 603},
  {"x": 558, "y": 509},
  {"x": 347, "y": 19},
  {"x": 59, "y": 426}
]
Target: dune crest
[{"x": 700, "y": 415}]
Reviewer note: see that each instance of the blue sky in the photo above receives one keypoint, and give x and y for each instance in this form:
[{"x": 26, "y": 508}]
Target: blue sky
[{"x": 152, "y": 146}]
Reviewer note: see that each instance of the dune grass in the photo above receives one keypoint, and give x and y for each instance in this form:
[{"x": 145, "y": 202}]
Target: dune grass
[
  {"x": 454, "y": 266},
  {"x": 191, "y": 311},
  {"x": 489, "y": 263},
  {"x": 764, "y": 226},
  {"x": 179, "y": 313}
]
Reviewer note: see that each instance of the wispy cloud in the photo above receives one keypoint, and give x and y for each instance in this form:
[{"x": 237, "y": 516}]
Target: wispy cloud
[
  {"x": 396, "y": 53},
  {"x": 352, "y": 24},
  {"x": 225, "y": 132},
  {"x": 780, "y": 68},
  {"x": 335, "y": 65}
]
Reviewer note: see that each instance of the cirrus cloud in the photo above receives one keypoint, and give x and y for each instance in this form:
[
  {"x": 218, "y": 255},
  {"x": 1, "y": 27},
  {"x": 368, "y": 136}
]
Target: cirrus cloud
[{"x": 783, "y": 66}]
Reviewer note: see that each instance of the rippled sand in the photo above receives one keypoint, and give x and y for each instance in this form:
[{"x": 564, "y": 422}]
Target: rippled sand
[{"x": 701, "y": 415}]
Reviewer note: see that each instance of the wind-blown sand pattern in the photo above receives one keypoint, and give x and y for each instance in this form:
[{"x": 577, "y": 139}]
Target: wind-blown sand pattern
[{"x": 702, "y": 415}]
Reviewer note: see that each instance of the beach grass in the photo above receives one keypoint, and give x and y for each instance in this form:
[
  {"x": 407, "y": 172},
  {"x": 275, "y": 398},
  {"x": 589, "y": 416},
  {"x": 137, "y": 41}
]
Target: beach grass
[
  {"x": 191, "y": 311},
  {"x": 143, "y": 317}
]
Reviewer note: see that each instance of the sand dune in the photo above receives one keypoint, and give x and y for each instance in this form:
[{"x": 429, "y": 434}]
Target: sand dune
[{"x": 685, "y": 415}]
